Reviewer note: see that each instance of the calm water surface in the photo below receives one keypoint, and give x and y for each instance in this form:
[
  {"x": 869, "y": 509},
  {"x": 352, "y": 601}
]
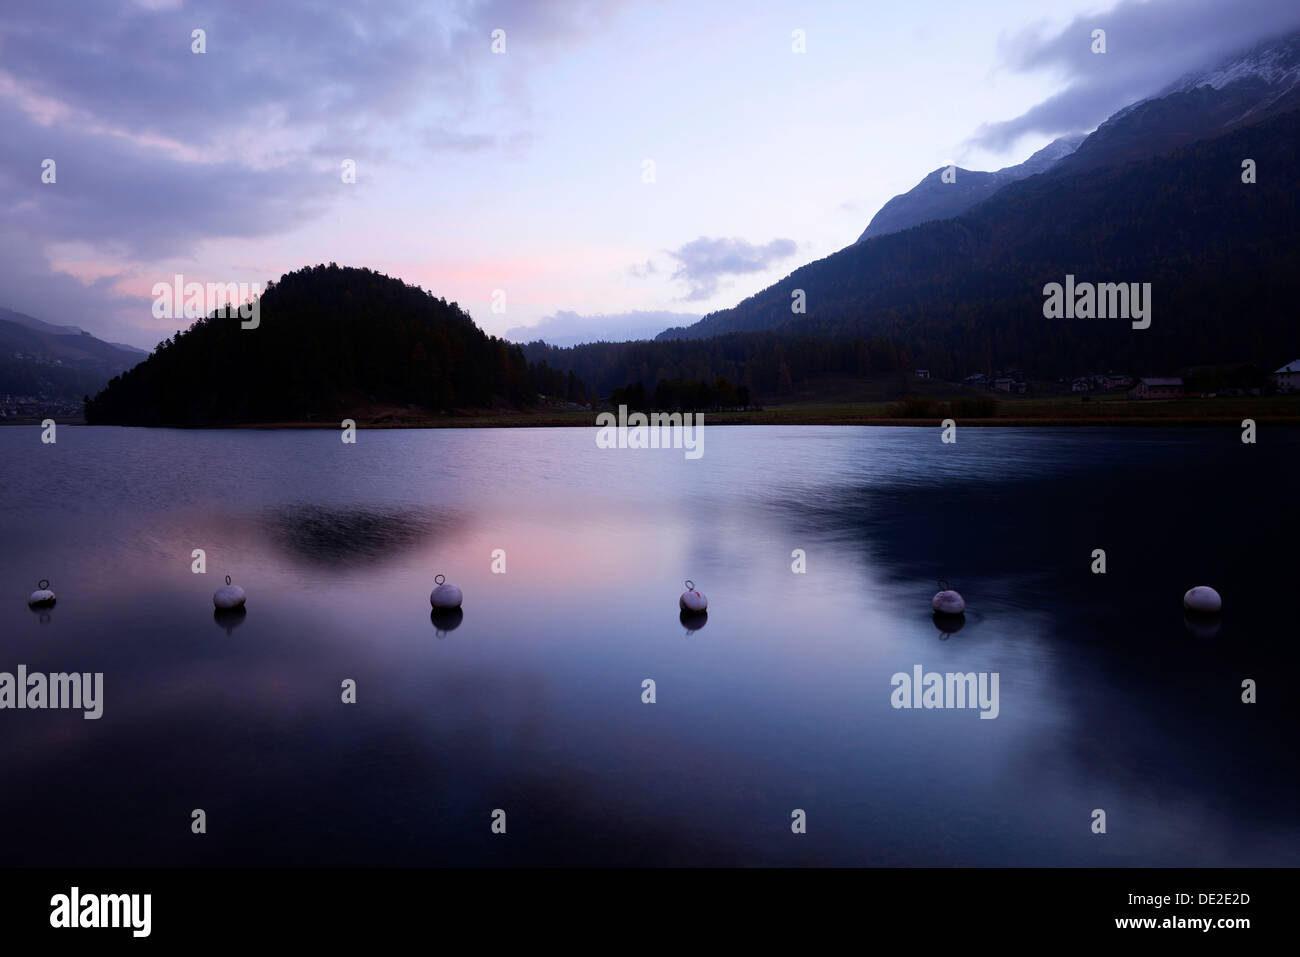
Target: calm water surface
[{"x": 532, "y": 702}]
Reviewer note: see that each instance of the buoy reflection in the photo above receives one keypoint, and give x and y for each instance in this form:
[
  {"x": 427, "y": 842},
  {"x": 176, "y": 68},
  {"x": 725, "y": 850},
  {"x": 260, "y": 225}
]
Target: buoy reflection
[
  {"x": 693, "y": 621},
  {"x": 228, "y": 619},
  {"x": 446, "y": 619},
  {"x": 1202, "y": 625},
  {"x": 947, "y": 624}
]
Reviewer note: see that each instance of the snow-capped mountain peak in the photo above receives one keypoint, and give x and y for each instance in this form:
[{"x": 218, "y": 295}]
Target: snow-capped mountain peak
[{"x": 1273, "y": 63}]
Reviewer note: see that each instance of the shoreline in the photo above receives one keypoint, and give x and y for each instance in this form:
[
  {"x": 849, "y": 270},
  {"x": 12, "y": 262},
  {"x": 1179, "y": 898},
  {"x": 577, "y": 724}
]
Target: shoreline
[
  {"x": 1227, "y": 412},
  {"x": 790, "y": 421}
]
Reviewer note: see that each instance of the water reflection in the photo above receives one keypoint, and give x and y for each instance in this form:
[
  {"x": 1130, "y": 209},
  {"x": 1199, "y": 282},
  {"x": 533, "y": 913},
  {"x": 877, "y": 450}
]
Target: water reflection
[
  {"x": 947, "y": 624},
  {"x": 1105, "y": 698},
  {"x": 693, "y": 621},
  {"x": 1203, "y": 625},
  {"x": 228, "y": 619},
  {"x": 347, "y": 535},
  {"x": 1021, "y": 543},
  {"x": 446, "y": 620}
]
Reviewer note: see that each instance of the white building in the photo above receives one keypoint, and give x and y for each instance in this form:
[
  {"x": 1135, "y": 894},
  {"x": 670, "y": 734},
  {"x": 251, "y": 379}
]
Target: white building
[{"x": 1288, "y": 377}]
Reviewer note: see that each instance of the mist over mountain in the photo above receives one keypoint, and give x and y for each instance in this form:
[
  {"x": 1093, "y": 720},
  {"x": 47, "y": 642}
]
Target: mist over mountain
[
  {"x": 567, "y": 328},
  {"x": 1254, "y": 85},
  {"x": 1244, "y": 88}
]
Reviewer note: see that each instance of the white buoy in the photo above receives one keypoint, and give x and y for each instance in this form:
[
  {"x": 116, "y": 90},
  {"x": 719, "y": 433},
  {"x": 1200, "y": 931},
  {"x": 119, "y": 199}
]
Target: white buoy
[
  {"x": 42, "y": 596},
  {"x": 445, "y": 596},
  {"x": 947, "y": 602},
  {"x": 229, "y": 596},
  {"x": 691, "y": 599},
  {"x": 1203, "y": 599}
]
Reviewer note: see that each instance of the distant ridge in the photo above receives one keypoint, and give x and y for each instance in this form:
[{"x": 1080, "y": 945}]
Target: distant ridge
[
  {"x": 933, "y": 199},
  {"x": 60, "y": 363},
  {"x": 31, "y": 322}
]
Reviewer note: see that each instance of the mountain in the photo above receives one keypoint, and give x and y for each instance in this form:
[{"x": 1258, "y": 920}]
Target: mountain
[
  {"x": 932, "y": 198},
  {"x": 1243, "y": 89},
  {"x": 330, "y": 342},
  {"x": 133, "y": 350},
  {"x": 49, "y": 367},
  {"x": 566, "y": 328},
  {"x": 1244, "y": 92},
  {"x": 72, "y": 349},
  {"x": 33, "y": 323},
  {"x": 966, "y": 294}
]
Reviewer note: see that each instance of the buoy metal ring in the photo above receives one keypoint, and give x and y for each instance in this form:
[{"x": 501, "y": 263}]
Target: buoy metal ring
[
  {"x": 690, "y": 585},
  {"x": 943, "y": 584},
  {"x": 439, "y": 579},
  {"x": 227, "y": 579},
  {"x": 43, "y": 584}
]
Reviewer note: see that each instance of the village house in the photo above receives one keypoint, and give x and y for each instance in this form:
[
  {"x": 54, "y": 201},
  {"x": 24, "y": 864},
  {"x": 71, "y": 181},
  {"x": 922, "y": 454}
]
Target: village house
[
  {"x": 1006, "y": 383},
  {"x": 1288, "y": 377},
  {"x": 1171, "y": 388},
  {"x": 923, "y": 373},
  {"x": 1081, "y": 384}
]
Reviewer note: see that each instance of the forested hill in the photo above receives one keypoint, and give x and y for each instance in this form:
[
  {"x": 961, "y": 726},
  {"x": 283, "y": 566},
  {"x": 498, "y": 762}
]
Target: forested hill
[{"x": 329, "y": 340}]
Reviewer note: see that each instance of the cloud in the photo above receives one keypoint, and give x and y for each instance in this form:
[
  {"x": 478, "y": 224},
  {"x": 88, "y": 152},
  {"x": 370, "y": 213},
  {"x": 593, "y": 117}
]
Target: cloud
[
  {"x": 1148, "y": 46},
  {"x": 451, "y": 141},
  {"x": 160, "y": 149},
  {"x": 703, "y": 262},
  {"x": 569, "y": 328}
]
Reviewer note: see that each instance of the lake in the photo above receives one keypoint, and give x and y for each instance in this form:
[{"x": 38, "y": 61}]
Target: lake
[{"x": 532, "y": 702}]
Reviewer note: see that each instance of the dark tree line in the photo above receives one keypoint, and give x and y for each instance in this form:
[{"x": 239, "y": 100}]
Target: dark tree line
[
  {"x": 681, "y": 395},
  {"x": 761, "y": 364}
]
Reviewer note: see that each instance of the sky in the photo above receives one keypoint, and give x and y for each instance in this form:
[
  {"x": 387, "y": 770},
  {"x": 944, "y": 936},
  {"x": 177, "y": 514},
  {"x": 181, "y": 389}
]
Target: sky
[{"x": 618, "y": 168}]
